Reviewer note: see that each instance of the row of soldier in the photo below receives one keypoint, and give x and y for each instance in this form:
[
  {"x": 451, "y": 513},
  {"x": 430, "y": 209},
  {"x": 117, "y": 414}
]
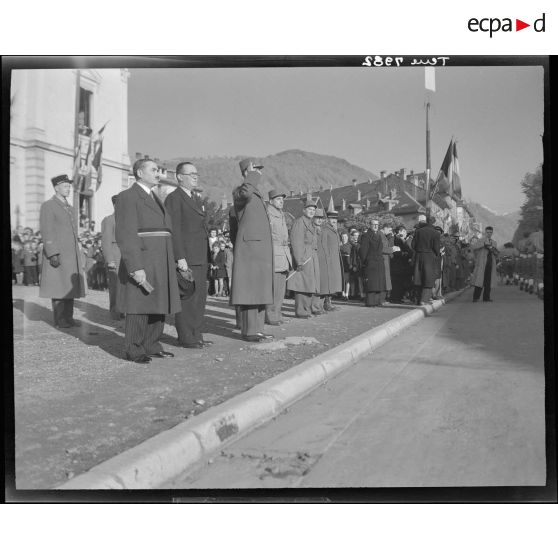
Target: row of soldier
[{"x": 158, "y": 257}]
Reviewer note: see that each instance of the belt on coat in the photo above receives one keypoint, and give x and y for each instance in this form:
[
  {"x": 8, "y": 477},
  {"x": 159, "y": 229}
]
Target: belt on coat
[{"x": 154, "y": 232}]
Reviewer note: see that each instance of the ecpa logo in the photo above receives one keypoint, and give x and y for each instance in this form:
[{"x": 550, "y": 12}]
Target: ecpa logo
[{"x": 494, "y": 24}]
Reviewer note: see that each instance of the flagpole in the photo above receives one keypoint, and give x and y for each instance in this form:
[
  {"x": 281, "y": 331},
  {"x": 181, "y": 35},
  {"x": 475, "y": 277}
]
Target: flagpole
[
  {"x": 428, "y": 158},
  {"x": 75, "y": 205}
]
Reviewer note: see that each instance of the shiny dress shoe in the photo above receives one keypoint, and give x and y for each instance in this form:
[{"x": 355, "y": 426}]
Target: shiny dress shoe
[
  {"x": 206, "y": 343},
  {"x": 162, "y": 354},
  {"x": 74, "y": 323},
  {"x": 142, "y": 359},
  {"x": 63, "y": 325},
  {"x": 252, "y": 338},
  {"x": 318, "y": 313},
  {"x": 265, "y": 335},
  {"x": 303, "y": 317},
  {"x": 197, "y": 345},
  {"x": 273, "y": 323}
]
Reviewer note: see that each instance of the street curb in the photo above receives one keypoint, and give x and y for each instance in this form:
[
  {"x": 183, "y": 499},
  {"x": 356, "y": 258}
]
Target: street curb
[{"x": 168, "y": 454}]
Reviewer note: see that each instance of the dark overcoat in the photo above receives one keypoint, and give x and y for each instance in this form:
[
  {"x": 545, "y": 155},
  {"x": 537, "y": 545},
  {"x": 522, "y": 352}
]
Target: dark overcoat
[
  {"x": 110, "y": 248},
  {"x": 189, "y": 233},
  {"x": 304, "y": 247},
  {"x": 426, "y": 244},
  {"x": 252, "y": 273},
  {"x": 329, "y": 259},
  {"x": 60, "y": 237},
  {"x": 137, "y": 212},
  {"x": 401, "y": 261},
  {"x": 372, "y": 261}
]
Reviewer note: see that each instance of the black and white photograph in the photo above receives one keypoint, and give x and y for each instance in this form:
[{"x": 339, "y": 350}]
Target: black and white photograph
[{"x": 280, "y": 273}]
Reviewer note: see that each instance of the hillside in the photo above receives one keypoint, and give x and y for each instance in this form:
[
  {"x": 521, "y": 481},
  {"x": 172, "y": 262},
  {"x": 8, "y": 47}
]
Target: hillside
[
  {"x": 289, "y": 170},
  {"x": 504, "y": 225}
]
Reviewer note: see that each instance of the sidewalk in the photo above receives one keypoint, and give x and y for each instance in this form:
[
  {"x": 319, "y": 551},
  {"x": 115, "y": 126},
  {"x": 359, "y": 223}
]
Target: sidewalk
[{"x": 78, "y": 403}]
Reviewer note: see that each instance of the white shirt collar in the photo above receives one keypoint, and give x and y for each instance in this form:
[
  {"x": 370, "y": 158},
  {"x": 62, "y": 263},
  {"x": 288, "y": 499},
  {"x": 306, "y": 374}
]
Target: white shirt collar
[
  {"x": 146, "y": 189},
  {"x": 188, "y": 192}
]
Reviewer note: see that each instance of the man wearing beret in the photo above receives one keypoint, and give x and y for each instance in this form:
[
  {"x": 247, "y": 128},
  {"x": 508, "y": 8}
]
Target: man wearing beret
[
  {"x": 252, "y": 275},
  {"x": 191, "y": 247},
  {"x": 62, "y": 277},
  {"x": 147, "y": 283},
  {"x": 282, "y": 260}
]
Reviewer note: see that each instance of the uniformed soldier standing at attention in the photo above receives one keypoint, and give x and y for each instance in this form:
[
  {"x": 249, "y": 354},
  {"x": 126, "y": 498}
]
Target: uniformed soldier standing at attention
[
  {"x": 147, "y": 283},
  {"x": 282, "y": 260},
  {"x": 252, "y": 284},
  {"x": 62, "y": 277}
]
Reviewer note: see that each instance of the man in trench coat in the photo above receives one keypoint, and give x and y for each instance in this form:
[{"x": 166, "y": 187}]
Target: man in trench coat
[
  {"x": 62, "y": 277},
  {"x": 147, "y": 283},
  {"x": 485, "y": 277},
  {"x": 372, "y": 258},
  {"x": 252, "y": 275},
  {"x": 304, "y": 246},
  {"x": 282, "y": 259},
  {"x": 329, "y": 260}
]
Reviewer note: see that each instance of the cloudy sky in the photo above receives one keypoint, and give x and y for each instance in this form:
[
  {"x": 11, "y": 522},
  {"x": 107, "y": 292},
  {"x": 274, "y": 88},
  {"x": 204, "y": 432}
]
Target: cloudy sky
[{"x": 372, "y": 117}]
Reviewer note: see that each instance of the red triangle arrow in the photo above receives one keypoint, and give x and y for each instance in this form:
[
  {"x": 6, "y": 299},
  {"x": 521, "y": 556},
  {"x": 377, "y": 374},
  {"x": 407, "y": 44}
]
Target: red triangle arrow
[{"x": 519, "y": 25}]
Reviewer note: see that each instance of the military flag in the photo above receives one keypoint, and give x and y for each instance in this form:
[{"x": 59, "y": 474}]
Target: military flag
[{"x": 448, "y": 181}]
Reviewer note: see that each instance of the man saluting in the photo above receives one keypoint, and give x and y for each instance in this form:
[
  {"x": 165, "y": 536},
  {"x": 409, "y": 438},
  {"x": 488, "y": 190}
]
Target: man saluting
[{"x": 148, "y": 287}]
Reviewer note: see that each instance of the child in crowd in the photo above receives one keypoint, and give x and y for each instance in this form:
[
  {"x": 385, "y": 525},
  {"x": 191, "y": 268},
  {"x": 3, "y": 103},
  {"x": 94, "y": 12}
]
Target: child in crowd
[
  {"x": 218, "y": 269},
  {"x": 30, "y": 263}
]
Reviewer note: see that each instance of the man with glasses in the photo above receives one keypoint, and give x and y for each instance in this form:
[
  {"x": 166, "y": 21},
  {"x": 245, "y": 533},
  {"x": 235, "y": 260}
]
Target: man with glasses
[
  {"x": 191, "y": 251},
  {"x": 147, "y": 284}
]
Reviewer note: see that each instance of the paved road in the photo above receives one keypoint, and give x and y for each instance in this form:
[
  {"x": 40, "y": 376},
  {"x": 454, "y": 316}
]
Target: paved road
[{"x": 457, "y": 400}]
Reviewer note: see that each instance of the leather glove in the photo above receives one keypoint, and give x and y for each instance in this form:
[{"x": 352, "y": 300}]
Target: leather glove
[{"x": 54, "y": 261}]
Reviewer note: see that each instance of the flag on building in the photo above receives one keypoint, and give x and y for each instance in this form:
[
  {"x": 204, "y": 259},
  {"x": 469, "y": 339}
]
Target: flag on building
[
  {"x": 448, "y": 181},
  {"x": 76, "y": 176},
  {"x": 430, "y": 79},
  {"x": 98, "y": 161},
  {"x": 94, "y": 159}
]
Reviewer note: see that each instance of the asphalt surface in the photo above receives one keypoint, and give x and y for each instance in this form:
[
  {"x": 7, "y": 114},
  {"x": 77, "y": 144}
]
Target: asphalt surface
[
  {"x": 456, "y": 400},
  {"x": 78, "y": 403}
]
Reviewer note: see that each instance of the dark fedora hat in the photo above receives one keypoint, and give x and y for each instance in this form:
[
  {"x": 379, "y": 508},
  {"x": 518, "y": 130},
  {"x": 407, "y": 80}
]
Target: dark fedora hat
[{"x": 186, "y": 283}]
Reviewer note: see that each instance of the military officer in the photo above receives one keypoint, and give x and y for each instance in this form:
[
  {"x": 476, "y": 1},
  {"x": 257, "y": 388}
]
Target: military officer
[{"x": 62, "y": 278}]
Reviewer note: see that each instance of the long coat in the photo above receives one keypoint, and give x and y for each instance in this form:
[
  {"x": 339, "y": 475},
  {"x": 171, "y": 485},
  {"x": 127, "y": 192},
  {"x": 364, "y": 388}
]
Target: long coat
[
  {"x": 110, "y": 248},
  {"x": 387, "y": 250},
  {"x": 137, "y": 212},
  {"x": 252, "y": 274},
  {"x": 329, "y": 260},
  {"x": 189, "y": 228},
  {"x": 60, "y": 237},
  {"x": 481, "y": 256},
  {"x": 401, "y": 262},
  {"x": 282, "y": 259},
  {"x": 426, "y": 244},
  {"x": 372, "y": 261},
  {"x": 304, "y": 246}
]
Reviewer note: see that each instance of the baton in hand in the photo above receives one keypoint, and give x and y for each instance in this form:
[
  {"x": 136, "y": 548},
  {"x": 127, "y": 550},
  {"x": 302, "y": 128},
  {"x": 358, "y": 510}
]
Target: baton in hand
[{"x": 296, "y": 270}]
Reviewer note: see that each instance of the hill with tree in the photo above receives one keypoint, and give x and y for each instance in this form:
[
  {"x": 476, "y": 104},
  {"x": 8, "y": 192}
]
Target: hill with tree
[
  {"x": 532, "y": 209},
  {"x": 504, "y": 225},
  {"x": 292, "y": 170}
]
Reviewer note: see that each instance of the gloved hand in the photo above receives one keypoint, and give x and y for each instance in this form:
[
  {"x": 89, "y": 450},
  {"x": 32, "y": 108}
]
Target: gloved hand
[{"x": 54, "y": 261}]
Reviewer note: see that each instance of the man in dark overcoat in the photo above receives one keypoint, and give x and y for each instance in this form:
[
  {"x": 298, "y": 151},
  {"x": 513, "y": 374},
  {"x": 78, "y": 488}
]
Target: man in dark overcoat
[
  {"x": 329, "y": 260},
  {"x": 62, "y": 277},
  {"x": 252, "y": 280},
  {"x": 426, "y": 245},
  {"x": 112, "y": 259},
  {"x": 147, "y": 283},
  {"x": 191, "y": 250},
  {"x": 400, "y": 266},
  {"x": 305, "y": 282},
  {"x": 372, "y": 261}
]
